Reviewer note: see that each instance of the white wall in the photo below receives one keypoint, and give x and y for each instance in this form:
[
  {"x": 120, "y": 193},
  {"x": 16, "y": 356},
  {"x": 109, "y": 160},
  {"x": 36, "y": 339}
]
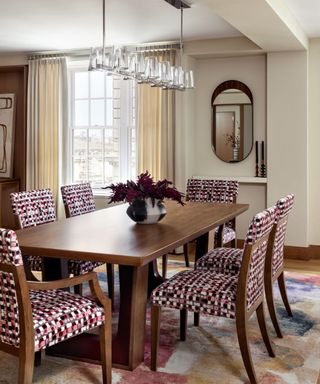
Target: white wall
[
  {"x": 194, "y": 150},
  {"x": 288, "y": 137},
  {"x": 314, "y": 141}
]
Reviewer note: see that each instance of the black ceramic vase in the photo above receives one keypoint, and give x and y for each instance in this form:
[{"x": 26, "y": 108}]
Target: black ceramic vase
[{"x": 146, "y": 211}]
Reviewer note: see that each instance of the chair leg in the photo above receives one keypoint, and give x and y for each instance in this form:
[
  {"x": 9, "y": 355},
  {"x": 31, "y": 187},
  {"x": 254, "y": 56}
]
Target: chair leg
[
  {"x": 283, "y": 291},
  {"x": 242, "y": 334},
  {"x": 78, "y": 289},
  {"x": 26, "y": 364},
  {"x": 271, "y": 306},
  {"x": 164, "y": 265},
  {"x": 155, "y": 332},
  {"x": 196, "y": 319},
  {"x": 233, "y": 243},
  {"x": 105, "y": 351},
  {"x": 110, "y": 281},
  {"x": 264, "y": 330},
  {"x": 183, "y": 324},
  {"x": 186, "y": 254},
  {"x": 37, "y": 359}
]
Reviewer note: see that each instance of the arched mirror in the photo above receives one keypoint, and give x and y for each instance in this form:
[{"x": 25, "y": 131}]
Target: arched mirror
[{"x": 232, "y": 121}]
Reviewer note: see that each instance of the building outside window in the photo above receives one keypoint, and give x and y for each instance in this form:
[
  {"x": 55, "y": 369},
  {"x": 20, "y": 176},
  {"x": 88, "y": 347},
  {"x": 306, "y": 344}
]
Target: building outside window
[{"x": 102, "y": 126}]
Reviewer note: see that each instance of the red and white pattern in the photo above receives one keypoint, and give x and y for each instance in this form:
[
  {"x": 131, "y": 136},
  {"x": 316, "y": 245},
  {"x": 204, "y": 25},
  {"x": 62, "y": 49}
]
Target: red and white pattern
[
  {"x": 228, "y": 261},
  {"x": 222, "y": 260},
  {"x": 284, "y": 207},
  {"x": 78, "y": 198},
  {"x": 199, "y": 291},
  {"x": 215, "y": 191},
  {"x": 9, "y": 315},
  {"x": 37, "y": 207},
  {"x": 57, "y": 315},
  {"x": 212, "y": 191}
]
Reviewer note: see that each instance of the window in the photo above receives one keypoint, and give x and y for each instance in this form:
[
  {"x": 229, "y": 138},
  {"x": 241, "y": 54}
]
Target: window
[{"x": 102, "y": 128}]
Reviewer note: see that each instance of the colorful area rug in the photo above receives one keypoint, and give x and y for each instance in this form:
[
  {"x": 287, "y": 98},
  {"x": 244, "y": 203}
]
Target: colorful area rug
[{"x": 211, "y": 353}]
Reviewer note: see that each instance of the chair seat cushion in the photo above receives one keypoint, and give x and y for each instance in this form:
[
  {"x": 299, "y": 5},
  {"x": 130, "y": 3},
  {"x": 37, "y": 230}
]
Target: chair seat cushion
[
  {"x": 198, "y": 291},
  {"x": 222, "y": 260},
  {"x": 59, "y": 315},
  {"x": 79, "y": 267},
  {"x": 75, "y": 267},
  {"x": 228, "y": 235}
]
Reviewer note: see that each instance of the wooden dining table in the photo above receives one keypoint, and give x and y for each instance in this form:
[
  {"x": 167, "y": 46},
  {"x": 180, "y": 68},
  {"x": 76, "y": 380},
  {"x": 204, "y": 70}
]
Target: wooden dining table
[{"x": 109, "y": 235}]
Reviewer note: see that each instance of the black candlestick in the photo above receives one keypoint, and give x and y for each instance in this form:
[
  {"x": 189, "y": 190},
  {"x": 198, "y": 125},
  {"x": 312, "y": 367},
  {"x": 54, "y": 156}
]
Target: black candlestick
[
  {"x": 257, "y": 159},
  {"x": 263, "y": 170}
]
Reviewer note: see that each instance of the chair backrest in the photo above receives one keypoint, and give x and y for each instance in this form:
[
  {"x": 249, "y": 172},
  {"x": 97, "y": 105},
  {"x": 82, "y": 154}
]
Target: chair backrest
[
  {"x": 284, "y": 207},
  {"x": 212, "y": 191},
  {"x": 251, "y": 278},
  {"x": 10, "y": 287},
  {"x": 33, "y": 207},
  {"x": 77, "y": 199}
]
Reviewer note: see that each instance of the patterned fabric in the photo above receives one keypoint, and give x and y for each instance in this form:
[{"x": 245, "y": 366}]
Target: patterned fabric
[
  {"x": 33, "y": 207},
  {"x": 79, "y": 267},
  {"x": 78, "y": 198},
  {"x": 212, "y": 191},
  {"x": 284, "y": 207},
  {"x": 215, "y": 191},
  {"x": 222, "y": 260},
  {"x": 9, "y": 315},
  {"x": 228, "y": 261},
  {"x": 228, "y": 234},
  {"x": 199, "y": 291},
  {"x": 59, "y": 315}
]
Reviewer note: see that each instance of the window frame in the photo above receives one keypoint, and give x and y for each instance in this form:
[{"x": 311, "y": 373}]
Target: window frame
[{"x": 127, "y": 121}]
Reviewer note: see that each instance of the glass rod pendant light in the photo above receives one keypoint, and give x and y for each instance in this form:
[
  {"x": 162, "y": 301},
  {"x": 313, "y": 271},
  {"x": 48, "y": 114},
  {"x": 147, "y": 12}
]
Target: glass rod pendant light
[{"x": 132, "y": 63}]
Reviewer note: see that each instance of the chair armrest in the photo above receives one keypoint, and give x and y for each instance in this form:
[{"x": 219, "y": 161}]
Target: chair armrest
[
  {"x": 90, "y": 277},
  {"x": 60, "y": 284}
]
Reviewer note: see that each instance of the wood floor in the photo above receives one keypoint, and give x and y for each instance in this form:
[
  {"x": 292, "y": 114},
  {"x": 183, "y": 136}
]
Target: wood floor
[{"x": 303, "y": 266}]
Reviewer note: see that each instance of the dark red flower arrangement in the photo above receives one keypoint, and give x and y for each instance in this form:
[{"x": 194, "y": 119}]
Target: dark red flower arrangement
[{"x": 143, "y": 188}]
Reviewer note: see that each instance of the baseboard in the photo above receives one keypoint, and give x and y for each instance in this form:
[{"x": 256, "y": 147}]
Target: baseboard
[{"x": 299, "y": 253}]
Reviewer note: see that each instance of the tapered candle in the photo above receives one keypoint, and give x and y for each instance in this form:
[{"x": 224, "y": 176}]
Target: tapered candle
[
  {"x": 262, "y": 151},
  {"x": 257, "y": 149}
]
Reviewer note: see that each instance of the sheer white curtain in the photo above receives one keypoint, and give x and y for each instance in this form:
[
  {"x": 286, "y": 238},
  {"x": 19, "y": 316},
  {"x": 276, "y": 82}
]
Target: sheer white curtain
[
  {"x": 47, "y": 123},
  {"x": 156, "y": 127}
]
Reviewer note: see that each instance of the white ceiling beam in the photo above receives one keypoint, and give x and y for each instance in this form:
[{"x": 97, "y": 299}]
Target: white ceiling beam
[{"x": 268, "y": 23}]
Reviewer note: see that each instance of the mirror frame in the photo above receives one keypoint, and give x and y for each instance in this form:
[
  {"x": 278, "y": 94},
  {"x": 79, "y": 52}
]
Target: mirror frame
[{"x": 229, "y": 84}]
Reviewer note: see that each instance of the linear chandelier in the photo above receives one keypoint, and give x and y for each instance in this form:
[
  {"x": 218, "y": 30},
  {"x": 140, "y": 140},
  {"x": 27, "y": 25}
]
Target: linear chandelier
[{"x": 131, "y": 63}]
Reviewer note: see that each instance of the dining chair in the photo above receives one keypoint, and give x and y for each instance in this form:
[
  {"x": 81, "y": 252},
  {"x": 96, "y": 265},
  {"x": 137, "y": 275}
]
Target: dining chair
[
  {"x": 217, "y": 294},
  {"x": 37, "y": 207},
  {"x": 78, "y": 200},
  {"x": 37, "y": 315},
  {"x": 211, "y": 191},
  {"x": 228, "y": 261}
]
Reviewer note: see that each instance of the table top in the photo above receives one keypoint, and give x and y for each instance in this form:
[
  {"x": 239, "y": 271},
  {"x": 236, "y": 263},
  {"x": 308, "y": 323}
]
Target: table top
[{"x": 109, "y": 235}]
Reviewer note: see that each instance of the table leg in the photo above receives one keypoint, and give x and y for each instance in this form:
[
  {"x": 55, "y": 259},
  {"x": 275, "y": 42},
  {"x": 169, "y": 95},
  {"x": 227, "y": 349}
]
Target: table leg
[{"x": 54, "y": 269}]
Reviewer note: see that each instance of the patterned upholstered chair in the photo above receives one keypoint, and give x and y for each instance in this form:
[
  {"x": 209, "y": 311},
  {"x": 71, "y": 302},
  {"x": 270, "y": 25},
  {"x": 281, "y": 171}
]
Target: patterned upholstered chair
[
  {"x": 211, "y": 191},
  {"x": 36, "y": 315},
  {"x": 228, "y": 261},
  {"x": 78, "y": 200},
  {"x": 37, "y": 207},
  {"x": 236, "y": 297}
]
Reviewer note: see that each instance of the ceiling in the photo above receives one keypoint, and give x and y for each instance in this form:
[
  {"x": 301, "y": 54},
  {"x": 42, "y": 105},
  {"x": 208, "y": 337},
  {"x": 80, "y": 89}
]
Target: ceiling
[{"x": 39, "y": 25}]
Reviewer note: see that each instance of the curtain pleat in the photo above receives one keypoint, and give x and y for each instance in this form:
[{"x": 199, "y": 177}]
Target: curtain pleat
[
  {"x": 47, "y": 123},
  {"x": 156, "y": 122}
]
